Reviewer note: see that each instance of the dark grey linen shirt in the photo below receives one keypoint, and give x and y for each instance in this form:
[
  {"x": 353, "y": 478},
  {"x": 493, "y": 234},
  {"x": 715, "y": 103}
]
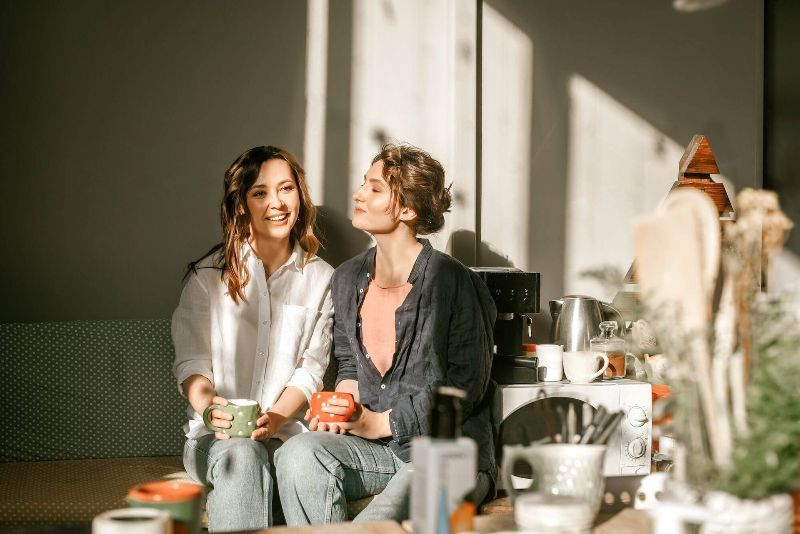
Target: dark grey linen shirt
[{"x": 444, "y": 337}]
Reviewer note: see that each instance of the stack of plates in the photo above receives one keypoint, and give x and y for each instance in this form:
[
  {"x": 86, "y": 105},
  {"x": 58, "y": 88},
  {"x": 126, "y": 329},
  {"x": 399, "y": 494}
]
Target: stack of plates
[{"x": 544, "y": 512}]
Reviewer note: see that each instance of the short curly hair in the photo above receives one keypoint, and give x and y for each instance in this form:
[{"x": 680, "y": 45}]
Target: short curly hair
[{"x": 416, "y": 181}]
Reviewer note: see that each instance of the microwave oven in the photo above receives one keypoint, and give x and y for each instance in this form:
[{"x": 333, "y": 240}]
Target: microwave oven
[{"x": 629, "y": 447}]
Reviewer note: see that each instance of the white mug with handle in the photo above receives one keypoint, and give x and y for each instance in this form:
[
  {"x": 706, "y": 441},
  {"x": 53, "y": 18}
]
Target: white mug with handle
[{"x": 581, "y": 366}]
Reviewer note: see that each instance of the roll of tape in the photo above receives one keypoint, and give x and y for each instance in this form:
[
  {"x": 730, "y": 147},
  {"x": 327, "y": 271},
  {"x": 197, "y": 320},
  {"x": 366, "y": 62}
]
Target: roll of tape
[{"x": 132, "y": 520}]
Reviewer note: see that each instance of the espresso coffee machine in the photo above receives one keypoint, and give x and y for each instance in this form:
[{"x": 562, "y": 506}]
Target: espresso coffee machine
[{"x": 515, "y": 293}]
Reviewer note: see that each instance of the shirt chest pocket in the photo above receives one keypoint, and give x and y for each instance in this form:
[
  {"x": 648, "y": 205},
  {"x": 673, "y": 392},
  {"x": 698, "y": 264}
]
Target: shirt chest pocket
[{"x": 296, "y": 328}]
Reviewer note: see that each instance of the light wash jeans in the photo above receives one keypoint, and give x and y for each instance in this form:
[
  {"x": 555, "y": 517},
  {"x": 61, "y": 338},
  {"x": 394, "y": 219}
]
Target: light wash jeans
[
  {"x": 318, "y": 472},
  {"x": 241, "y": 474}
]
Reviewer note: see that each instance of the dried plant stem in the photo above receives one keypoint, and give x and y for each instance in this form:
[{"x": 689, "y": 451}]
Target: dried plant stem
[
  {"x": 724, "y": 345},
  {"x": 745, "y": 335},
  {"x": 702, "y": 360},
  {"x": 739, "y": 394}
]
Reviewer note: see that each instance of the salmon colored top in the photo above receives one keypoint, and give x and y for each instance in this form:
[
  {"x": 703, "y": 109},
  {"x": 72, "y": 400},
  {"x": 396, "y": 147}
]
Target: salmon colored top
[{"x": 377, "y": 323}]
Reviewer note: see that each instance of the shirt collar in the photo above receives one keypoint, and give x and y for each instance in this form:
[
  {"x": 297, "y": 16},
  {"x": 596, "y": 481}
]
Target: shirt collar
[{"x": 294, "y": 260}]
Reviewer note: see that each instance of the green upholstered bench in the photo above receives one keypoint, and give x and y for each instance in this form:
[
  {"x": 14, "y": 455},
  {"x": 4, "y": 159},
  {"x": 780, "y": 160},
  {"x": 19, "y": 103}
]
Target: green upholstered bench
[{"x": 93, "y": 410}]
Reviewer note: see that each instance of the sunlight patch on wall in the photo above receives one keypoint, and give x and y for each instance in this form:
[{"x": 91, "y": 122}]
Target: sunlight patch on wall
[
  {"x": 507, "y": 84},
  {"x": 316, "y": 92},
  {"x": 619, "y": 167},
  {"x": 413, "y": 81}
]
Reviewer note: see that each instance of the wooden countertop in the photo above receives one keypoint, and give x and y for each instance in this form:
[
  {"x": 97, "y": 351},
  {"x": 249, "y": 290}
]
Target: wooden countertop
[{"x": 628, "y": 521}]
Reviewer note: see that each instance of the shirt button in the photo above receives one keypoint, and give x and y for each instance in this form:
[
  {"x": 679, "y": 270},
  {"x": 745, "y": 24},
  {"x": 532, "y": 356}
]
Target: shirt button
[
  {"x": 366, "y": 356},
  {"x": 261, "y": 353},
  {"x": 361, "y": 290},
  {"x": 383, "y": 386},
  {"x": 265, "y": 293},
  {"x": 264, "y": 322}
]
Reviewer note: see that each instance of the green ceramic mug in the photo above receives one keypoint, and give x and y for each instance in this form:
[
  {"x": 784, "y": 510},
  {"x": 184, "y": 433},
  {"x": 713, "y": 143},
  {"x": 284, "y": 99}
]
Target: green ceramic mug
[{"x": 244, "y": 412}]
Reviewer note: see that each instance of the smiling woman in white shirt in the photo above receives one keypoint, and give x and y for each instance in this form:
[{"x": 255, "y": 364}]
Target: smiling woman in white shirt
[{"x": 253, "y": 322}]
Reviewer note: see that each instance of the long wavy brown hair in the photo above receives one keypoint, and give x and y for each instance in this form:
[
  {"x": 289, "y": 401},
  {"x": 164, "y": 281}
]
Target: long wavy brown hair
[{"x": 235, "y": 218}]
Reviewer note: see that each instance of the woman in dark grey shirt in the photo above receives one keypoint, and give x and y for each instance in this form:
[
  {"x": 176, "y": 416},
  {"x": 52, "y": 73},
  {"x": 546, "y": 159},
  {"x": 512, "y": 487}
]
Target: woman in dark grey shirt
[{"x": 442, "y": 335}]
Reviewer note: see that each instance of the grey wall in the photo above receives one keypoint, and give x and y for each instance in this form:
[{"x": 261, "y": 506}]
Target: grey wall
[
  {"x": 782, "y": 112},
  {"x": 682, "y": 73},
  {"x": 118, "y": 122},
  {"x": 119, "y": 119}
]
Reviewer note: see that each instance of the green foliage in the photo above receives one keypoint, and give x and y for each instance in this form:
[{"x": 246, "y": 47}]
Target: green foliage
[{"x": 767, "y": 460}]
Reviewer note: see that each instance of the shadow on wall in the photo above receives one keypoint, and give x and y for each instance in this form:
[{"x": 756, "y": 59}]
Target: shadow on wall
[
  {"x": 682, "y": 73},
  {"x": 462, "y": 245},
  {"x": 120, "y": 119},
  {"x": 340, "y": 240},
  {"x": 782, "y": 111}
]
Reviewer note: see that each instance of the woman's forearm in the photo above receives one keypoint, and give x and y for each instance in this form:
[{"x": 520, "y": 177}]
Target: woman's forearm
[
  {"x": 199, "y": 392},
  {"x": 291, "y": 400}
]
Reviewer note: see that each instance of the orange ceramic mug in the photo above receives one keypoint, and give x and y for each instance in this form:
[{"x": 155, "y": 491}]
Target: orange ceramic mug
[{"x": 319, "y": 403}]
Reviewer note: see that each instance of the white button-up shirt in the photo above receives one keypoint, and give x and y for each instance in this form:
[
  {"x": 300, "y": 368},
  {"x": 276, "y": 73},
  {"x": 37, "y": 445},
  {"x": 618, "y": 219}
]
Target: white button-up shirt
[{"x": 279, "y": 336}]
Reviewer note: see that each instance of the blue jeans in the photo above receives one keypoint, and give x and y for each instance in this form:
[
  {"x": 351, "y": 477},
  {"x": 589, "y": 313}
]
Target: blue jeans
[
  {"x": 318, "y": 472},
  {"x": 241, "y": 474}
]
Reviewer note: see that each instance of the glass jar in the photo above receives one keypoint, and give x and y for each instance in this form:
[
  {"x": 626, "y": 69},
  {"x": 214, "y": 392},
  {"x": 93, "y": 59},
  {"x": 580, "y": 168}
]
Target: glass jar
[{"x": 612, "y": 346}]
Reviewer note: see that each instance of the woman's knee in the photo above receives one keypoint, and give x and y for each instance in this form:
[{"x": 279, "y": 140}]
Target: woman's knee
[
  {"x": 240, "y": 456},
  {"x": 302, "y": 452}
]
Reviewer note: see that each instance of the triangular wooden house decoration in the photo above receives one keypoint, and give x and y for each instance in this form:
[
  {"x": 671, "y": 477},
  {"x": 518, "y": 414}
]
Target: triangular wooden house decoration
[{"x": 695, "y": 169}]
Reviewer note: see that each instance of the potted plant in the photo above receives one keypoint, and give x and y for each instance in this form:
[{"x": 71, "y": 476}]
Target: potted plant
[{"x": 734, "y": 360}]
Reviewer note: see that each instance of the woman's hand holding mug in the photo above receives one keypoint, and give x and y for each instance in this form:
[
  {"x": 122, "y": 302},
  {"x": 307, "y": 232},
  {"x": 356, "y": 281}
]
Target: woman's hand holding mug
[
  {"x": 338, "y": 412},
  {"x": 267, "y": 425},
  {"x": 229, "y": 418},
  {"x": 329, "y": 409},
  {"x": 220, "y": 418}
]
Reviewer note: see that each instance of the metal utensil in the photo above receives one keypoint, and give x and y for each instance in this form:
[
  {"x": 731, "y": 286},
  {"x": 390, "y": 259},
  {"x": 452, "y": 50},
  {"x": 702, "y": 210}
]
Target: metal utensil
[
  {"x": 562, "y": 423},
  {"x": 591, "y": 428},
  {"x": 608, "y": 428},
  {"x": 571, "y": 423}
]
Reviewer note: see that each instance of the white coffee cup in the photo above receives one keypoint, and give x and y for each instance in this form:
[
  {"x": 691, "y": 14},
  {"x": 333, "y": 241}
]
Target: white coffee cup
[
  {"x": 541, "y": 511},
  {"x": 550, "y": 362},
  {"x": 581, "y": 366},
  {"x": 132, "y": 521}
]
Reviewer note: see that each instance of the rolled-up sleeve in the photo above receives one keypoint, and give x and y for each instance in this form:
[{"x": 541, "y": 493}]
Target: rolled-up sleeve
[
  {"x": 311, "y": 367},
  {"x": 409, "y": 417},
  {"x": 191, "y": 333}
]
